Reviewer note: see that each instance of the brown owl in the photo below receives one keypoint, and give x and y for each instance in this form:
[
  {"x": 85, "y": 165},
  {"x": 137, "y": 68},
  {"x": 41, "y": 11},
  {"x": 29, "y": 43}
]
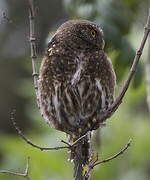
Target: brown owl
[{"x": 76, "y": 80}]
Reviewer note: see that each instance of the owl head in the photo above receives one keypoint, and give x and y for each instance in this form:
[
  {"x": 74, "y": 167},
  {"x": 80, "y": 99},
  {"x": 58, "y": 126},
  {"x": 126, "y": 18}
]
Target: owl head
[{"x": 81, "y": 34}]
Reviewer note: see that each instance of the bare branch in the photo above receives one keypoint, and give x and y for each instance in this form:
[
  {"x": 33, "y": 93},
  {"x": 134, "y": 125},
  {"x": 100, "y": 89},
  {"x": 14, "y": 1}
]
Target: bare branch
[
  {"x": 78, "y": 140},
  {"x": 116, "y": 155},
  {"x": 33, "y": 46},
  {"x": 25, "y": 174},
  {"x": 118, "y": 100},
  {"x": 133, "y": 67},
  {"x": 75, "y": 143},
  {"x": 69, "y": 146},
  {"x": 30, "y": 142},
  {"x": 95, "y": 163},
  {"x": 32, "y": 41}
]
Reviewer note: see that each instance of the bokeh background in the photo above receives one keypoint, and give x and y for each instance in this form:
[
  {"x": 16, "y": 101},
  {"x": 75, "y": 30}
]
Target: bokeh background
[{"x": 123, "y": 24}]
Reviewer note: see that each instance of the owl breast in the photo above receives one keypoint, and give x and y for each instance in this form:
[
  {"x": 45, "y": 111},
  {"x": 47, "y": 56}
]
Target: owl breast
[{"x": 75, "y": 96}]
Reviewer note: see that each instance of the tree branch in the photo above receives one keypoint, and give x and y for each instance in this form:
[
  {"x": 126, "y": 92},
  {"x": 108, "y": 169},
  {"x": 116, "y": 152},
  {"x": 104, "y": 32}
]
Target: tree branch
[
  {"x": 133, "y": 69},
  {"x": 69, "y": 146},
  {"x": 82, "y": 158},
  {"x": 25, "y": 174},
  {"x": 108, "y": 159},
  {"x": 33, "y": 46},
  {"x": 114, "y": 156}
]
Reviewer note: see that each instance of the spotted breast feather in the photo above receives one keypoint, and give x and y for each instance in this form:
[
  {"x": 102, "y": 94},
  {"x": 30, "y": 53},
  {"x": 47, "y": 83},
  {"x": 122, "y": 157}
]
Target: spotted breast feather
[{"x": 74, "y": 90}]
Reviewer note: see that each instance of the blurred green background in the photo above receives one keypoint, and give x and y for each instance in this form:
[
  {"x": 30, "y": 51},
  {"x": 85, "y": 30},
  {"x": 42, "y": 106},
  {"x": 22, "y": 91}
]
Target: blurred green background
[{"x": 123, "y": 23}]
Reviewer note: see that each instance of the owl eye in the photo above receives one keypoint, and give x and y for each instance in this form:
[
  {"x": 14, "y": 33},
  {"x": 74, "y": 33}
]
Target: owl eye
[{"x": 93, "y": 33}]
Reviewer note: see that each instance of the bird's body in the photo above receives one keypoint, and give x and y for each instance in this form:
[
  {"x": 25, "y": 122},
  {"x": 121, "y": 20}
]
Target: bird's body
[
  {"x": 76, "y": 81},
  {"x": 76, "y": 84}
]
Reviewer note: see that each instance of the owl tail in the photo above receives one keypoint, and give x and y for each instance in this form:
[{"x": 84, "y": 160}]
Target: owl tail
[{"x": 81, "y": 154}]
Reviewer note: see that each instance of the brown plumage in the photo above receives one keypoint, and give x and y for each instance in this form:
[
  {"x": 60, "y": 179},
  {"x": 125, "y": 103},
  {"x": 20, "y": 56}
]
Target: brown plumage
[{"x": 77, "y": 80}]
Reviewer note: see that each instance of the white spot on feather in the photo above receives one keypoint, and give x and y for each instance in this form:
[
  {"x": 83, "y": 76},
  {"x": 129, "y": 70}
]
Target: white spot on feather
[
  {"x": 56, "y": 103},
  {"x": 77, "y": 76},
  {"x": 102, "y": 92}
]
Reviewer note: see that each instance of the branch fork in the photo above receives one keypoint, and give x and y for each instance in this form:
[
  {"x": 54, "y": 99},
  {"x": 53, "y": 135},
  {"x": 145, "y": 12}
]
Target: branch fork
[{"x": 96, "y": 162}]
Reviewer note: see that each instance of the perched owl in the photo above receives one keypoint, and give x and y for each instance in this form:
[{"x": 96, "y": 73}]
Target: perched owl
[{"x": 76, "y": 79}]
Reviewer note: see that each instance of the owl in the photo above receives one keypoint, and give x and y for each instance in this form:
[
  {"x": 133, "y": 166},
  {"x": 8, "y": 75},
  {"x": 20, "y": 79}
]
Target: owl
[{"x": 76, "y": 78}]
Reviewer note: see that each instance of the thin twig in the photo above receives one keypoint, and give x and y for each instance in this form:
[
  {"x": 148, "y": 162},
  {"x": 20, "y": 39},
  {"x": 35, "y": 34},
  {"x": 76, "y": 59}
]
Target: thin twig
[
  {"x": 73, "y": 145},
  {"x": 33, "y": 46},
  {"x": 69, "y": 146},
  {"x": 29, "y": 141},
  {"x": 133, "y": 67},
  {"x": 25, "y": 174},
  {"x": 80, "y": 138},
  {"x": 95, "y": 163},
  {"x": 116, "y": 155}
]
